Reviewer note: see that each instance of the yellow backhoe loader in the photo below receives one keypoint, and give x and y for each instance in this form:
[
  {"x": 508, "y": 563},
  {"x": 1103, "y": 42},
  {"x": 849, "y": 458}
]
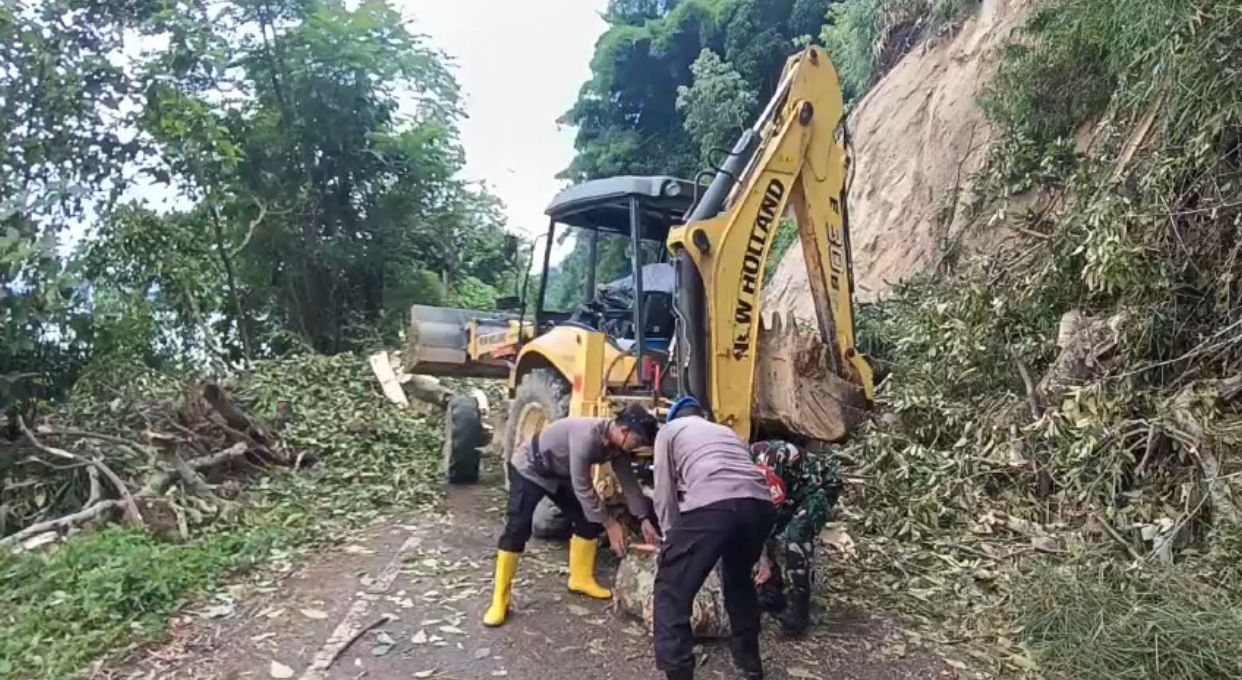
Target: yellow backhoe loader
[{"x": 686, "y": 318}]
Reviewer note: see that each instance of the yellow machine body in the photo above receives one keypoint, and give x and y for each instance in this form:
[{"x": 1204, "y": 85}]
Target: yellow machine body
[{"x": 802, "y": 166}]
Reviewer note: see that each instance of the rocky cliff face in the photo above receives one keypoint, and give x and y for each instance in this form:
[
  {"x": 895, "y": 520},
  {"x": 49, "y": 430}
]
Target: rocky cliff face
[{"x": 919, "y": 136}]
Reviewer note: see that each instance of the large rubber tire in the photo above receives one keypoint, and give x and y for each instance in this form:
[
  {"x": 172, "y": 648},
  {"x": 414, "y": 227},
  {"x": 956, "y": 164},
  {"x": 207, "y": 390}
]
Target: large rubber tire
[
  {"x": 541, "y": 397},
  {"x": 463, "y": 437}
]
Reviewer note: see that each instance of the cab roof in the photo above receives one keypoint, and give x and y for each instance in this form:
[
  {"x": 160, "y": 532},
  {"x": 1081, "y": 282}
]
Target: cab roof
[{"x": 605, "y": 204}]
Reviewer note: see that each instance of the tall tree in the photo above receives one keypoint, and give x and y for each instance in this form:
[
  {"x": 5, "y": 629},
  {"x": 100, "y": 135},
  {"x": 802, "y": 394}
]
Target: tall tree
[
  {"x": 308, "y": 156},
  {"x": 717, "y": 106},
  {"x": 62, "y": 146},
  {"x": 332, "y": 180},
  {"x": 626, "y": 115}
]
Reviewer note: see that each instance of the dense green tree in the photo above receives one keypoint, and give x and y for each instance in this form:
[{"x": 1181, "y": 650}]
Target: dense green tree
[
  {"x": 672, "y": 83},
  {"x": 338, "y": 173},
  {"x": 61, "y": 150},
  {"x": 627, "y": 116},
  {"x": 717, "y": 106},
  {"x": 155, "y": 288},
  {"x": 310, "y": 151}
]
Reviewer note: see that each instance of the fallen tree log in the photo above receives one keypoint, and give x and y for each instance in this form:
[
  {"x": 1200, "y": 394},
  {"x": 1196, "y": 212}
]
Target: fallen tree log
[
  {"x": 60, "y": 524},
  {"x": 634, "y": 590},
  {"x": 241, "y": 426},
  {"x": 188, "y": 474},
  {"x": 158, "y": 484},
  {"x": 234, "y": 416},
  {"x": 1087, "y": 347},
  {"x": 1198, "y": 419}
]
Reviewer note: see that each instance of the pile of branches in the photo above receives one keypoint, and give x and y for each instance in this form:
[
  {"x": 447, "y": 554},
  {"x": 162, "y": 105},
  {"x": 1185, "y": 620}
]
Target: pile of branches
[
  {"x": 991, "y": 478},
  {"x": 1063, "y": 414},
  {"x": 158, "y": 453}
]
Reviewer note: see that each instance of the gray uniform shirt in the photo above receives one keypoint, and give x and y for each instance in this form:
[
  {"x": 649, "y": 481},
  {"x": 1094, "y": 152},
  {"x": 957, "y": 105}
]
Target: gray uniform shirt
[
  {"x": 697, "y": 463},
  {"x": 567, "y": 449}
]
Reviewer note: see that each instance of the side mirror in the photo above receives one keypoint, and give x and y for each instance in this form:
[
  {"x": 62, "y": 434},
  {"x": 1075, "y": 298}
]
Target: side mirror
[{"x": 508, "y": 303}]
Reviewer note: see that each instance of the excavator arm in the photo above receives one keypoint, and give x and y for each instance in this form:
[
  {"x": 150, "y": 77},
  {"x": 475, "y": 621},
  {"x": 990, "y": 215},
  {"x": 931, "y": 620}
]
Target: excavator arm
[{"x": 749, "y": 368}]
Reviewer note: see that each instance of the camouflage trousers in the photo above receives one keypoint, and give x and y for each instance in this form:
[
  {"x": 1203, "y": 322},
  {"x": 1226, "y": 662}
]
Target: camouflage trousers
[{"x": 791, "y": 550}]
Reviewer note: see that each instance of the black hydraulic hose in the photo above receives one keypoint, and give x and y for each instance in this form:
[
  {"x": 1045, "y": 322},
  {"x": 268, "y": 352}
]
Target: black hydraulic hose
[
  {"x": 526, "y": 282},
  {"x": 691, "y": 311},
  {"x": 848, "y": 142},
  {"x": 636, "y": 225},
  {"x": 543, "y": 277},
  {"x": 690, "y": 302},
  {"x": 713, "y": 199},
  {"x": 592, "y": 262}
]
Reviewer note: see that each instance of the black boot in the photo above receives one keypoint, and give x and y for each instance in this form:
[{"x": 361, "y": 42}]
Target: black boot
[
  {"x": 796, "y": 618},
  {"x": 797, "y": 615},
  {"x": 746, "y": 657},
  {"x": 680, "y": 674}
]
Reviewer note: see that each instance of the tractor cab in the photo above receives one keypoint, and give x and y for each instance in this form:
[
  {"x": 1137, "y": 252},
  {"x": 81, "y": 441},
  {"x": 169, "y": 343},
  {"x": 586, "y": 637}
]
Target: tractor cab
[{"x": 606, "y": 267}]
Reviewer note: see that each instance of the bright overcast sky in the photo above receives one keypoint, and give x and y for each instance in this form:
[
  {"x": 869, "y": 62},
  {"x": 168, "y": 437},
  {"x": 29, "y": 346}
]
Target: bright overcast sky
[{"x": 520, "y": 65}]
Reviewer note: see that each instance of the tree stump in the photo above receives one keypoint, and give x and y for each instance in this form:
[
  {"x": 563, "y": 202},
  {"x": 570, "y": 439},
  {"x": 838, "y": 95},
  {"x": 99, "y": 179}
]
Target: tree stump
[{"x": 634, "y": 592}]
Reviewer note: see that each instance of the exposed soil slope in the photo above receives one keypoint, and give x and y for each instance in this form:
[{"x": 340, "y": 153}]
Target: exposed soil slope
[{"x": 919, "y": 135}]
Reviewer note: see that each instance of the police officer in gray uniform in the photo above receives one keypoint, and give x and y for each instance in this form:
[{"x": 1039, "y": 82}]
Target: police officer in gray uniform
[{"x": 714, "y": 506}]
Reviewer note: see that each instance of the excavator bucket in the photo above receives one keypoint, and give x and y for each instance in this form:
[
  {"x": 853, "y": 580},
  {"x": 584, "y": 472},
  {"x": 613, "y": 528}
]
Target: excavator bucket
[
  {"x": 797, "y": 388},
  {"x": 462, "y": 343}
]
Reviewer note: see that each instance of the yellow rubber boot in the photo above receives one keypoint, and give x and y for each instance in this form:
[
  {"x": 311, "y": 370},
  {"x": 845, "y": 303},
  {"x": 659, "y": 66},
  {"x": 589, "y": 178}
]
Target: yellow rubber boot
[
  {"x": 582, "y": 568},
  {"x": 506, "y": 567}
]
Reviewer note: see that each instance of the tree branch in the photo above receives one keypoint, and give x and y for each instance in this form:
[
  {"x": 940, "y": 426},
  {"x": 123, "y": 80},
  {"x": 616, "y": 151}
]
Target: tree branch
[
  {"x": 133, "y": 446},
  {"x": 1032, "y": 394},
  {"x": 96, "y": 491},
  {"x": 158, "y": 484},
  {"x": 250, "y": 230},
  {"x": 231, "y": 281},
  {"x": 61, "y": 523},
  {"x": 241, "y": 426},
  {"x": 167, "y": 447},
  {"x": 1117, "y": 537},
  {"x": 1155, "y": 439},
  {"x": 127, "y": 499},
  {"x": 87, "y": 434}
]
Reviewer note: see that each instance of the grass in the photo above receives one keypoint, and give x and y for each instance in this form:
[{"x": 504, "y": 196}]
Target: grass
[
  {"x": 1103, "y": 623},
  {"x": 107, "y": 590}
]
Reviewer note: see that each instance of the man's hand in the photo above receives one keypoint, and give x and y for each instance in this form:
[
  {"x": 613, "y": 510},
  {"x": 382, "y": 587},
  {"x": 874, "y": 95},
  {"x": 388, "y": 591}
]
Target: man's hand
[
  {"x": 651, "y": 534},
  {"x": 763, "y": 569},
  {"x": 616, "y": 537}
]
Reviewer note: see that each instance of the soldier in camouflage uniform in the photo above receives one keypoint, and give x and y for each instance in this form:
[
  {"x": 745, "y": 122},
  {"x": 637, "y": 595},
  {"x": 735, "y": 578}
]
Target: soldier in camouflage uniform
[{"x": 805, "y": 488}]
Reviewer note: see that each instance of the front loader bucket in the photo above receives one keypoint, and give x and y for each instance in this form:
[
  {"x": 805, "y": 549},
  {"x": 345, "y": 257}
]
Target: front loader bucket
[
  {"x": 797, "y": 391},
  {"x": 438, "y": 342}
]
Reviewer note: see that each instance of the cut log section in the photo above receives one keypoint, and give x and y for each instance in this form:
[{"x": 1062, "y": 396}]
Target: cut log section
[
  {"x": 634, "y": 591},
  {"x": 388, "y": 378},
  {"x": 797, "y": 387}
]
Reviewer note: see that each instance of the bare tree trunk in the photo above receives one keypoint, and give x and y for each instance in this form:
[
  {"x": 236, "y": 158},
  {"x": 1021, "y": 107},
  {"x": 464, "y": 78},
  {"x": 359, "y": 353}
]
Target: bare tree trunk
[
  {"x": 239, "y": 313},
  {"x": 242, "y": 427}
]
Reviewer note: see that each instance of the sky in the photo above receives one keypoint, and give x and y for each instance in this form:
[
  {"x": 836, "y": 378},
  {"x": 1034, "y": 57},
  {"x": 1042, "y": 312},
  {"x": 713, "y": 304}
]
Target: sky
[{"x": 519, "y": 65}]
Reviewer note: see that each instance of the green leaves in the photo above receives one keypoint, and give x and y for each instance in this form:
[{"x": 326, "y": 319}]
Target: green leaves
[
  {"x": 105, "y": 589},
  {"x": 305, "y": 156},
  {"x": 866, "y": 38},
  {"x": 627, "y": 114},
  {"x": 717, "y": 106}
]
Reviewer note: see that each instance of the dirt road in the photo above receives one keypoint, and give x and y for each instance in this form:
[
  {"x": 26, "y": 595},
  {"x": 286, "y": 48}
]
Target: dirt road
[{"x": 404, "y": 600}]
